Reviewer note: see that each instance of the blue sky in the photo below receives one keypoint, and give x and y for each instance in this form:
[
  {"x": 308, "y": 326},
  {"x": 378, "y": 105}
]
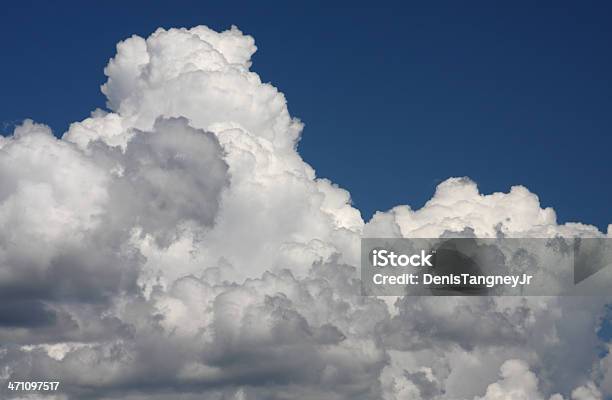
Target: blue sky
[{"x": 396, "y": 97}]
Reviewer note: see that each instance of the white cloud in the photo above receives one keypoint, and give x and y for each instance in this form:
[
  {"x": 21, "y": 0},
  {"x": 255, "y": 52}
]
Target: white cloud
[
  {"x": 184, "y": 245},
  {"x": 517, "y": 383},
  {"x": 199, "y": 74},
  {"x": 586, "y": 392},
  {"x": 457, "y": 204}
]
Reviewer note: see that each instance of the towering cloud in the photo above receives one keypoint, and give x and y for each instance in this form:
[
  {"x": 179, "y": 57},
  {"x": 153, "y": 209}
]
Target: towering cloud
[{"x": 178, "y": 247}]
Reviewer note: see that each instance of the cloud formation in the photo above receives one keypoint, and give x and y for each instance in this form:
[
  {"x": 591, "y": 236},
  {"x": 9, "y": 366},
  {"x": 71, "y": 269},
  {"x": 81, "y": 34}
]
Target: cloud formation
[{"x": 178, "y": 247}]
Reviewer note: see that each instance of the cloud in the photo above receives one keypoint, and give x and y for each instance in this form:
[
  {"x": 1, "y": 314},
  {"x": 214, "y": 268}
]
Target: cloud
[
  {"x": 457, "y": 205},
  {"x": 199, "y": 74},
  {"x": 517, "y": 383},
  {"x": 586, "y": 392},
  {"x": 178, "y": 247}
]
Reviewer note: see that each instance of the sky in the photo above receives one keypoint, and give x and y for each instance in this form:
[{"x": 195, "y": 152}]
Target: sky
[
  {"x": 179, "y": 246},
  {"x": 396, "y": 97}
]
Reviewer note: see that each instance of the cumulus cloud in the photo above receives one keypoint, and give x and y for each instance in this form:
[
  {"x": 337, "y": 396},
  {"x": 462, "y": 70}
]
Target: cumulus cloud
[
  {"x": 517, "y": 383},
  {"x": 178, "y": 247}
]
